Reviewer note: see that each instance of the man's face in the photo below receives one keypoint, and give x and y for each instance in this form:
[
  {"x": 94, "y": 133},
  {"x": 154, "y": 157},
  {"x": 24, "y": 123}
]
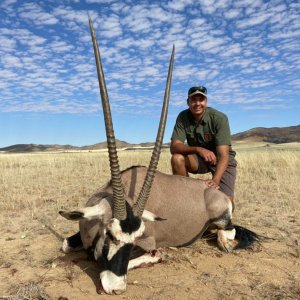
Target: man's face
[{"x": 197, "y": 104}]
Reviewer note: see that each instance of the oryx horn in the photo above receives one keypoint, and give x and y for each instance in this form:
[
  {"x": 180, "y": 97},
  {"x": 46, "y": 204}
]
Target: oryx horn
[
  {"x": 119, "y": 205},
  {"x": 139, "y": 206}
]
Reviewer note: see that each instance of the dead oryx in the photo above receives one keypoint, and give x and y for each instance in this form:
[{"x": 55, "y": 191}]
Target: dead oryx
[{"x": 140, "y": 210}]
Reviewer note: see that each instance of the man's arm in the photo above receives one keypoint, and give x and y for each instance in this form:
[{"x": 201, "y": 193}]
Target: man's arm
[
  {"x": 223, "y": 141},
  {"x": 221, "y": 165},
  {"x": 180, "y": 148}
]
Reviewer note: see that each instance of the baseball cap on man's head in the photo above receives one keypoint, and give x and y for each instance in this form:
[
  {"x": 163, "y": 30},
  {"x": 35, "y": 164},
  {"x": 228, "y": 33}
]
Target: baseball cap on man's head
[{"x": 197, "y": 90}]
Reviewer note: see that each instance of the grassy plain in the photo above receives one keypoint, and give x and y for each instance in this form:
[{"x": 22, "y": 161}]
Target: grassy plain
[{"x": 35, "y": 186}]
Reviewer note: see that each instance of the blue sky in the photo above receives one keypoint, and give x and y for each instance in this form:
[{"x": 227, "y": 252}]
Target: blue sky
[{"x": 247, "y": 54}]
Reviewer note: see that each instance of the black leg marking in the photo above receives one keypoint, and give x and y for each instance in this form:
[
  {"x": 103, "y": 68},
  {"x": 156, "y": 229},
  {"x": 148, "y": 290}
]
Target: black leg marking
[
  {"x": 222, "y": 222},
  {"x": 137, "y": 252},
  {"x": 229, "y": 226},
  {"x": 74, "y": 241}
]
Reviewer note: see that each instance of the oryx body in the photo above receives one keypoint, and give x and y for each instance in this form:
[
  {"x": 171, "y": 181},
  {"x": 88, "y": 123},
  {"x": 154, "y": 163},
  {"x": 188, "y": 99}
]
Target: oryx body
[{"x": 186, "y": 205}]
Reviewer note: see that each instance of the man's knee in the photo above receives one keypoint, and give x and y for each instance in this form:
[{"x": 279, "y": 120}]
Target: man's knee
[
  {"x": 178, "y": 165},
  {"x": 177, "y": 160}
]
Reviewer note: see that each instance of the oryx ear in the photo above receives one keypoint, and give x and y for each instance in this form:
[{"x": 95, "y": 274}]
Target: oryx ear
[
  {"x": 149, "y": 216},
  {"x": 96, "y": 212},
  {"x": 72, "y": 215}
]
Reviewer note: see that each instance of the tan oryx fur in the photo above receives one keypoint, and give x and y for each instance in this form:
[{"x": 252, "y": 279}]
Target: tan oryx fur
[{"x": 186, "y": 205}]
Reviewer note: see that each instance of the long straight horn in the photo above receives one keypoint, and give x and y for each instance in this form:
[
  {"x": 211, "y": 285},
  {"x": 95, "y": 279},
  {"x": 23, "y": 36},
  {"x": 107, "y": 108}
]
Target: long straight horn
[
  {"x": 139, "y": 206},
  {"x": 119, "y": 206}
]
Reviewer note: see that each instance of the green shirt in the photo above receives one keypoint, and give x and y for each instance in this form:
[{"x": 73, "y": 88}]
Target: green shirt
[{"x": 213, "y": 130}]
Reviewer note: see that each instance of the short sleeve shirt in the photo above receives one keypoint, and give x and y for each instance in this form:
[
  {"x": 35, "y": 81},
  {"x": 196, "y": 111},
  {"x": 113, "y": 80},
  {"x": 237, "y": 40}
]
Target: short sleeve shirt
[{"x": 213, "y": 130}]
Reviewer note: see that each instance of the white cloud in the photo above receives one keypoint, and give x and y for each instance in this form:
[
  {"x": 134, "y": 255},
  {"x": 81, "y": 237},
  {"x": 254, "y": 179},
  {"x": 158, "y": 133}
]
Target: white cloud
[
  {"x": 212, "y": 43},
  {"x": 110, "y": 26},
  {"x": 246, "y": 47},
  {"x": 7, "y": 6},
  {"x": 179, "y": 5},
  {"x": 284, "y": 35},
  {"x": 232, "y": 13},
  {"x": 157, "y": 13},
  {"x": 60, "y": 46},
  {"x": 23, "y": 36},
  {"x": 136, "y": 21},
  {"x": 6, "y": 3},
  {"x": 67, "y": 14},
  {"x": 255, "y": 19},
  {"x": 34, "y": 13},
  {"x": 7, "y": 44},
  {"x": 230, "y": 50},
  {"x": 3, "y": 85},
  {"x": 184, "y": 72},
  {"x": 208, "y": 6},
  {"x": 248, "y": 3},
  {"x": 10, "y": 61},
  {"x": 100, "y": 1},
  {"x": 7, "y": 74}
]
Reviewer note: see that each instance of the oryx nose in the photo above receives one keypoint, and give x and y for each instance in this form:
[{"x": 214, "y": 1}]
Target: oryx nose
[
  {"x": 106, "y": 289},
  {"x": 118, "y": 292}
]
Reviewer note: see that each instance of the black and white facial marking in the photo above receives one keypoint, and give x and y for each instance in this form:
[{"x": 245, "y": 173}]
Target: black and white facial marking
[
  {"x": 120, "y": 237},
  {"x": 73, "y": 243}
]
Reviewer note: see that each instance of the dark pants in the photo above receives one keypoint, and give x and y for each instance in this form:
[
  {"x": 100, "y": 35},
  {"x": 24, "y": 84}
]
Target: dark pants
[{"x": 227, "y": 181}]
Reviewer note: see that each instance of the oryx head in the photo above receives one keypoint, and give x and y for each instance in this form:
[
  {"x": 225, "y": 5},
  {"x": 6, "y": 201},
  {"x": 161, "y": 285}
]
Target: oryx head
[{"x": 126, "y": 224}]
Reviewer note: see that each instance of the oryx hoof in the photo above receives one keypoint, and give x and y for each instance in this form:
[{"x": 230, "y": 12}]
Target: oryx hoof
[
  {"x": 66, "y": 248},
  {"x": 225, "y": 240}
]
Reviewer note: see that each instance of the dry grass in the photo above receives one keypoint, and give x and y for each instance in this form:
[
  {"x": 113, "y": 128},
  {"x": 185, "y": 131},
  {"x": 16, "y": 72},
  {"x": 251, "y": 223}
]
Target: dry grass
[
  {"x": 35, "y": 186},
  {"x": 31, "y": 291},
  {"x": 31, "y": 181},
  {"x": 270, "y": 180}
]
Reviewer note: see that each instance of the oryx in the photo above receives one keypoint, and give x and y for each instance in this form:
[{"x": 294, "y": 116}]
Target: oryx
[{"x": 140, "y": 210}]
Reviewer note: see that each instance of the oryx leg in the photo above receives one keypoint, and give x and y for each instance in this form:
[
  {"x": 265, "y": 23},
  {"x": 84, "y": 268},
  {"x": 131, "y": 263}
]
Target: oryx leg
[
  {"x": 226, "y": 231},
  {"x": 146, "y": 260},
  {"x": 219, "y": 209},
  {"x": 144, "y": 253},
  {"x": 72, "y": 243}
]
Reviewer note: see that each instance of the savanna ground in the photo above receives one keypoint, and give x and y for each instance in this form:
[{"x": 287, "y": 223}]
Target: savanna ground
[{"x": 34, "y": 187}]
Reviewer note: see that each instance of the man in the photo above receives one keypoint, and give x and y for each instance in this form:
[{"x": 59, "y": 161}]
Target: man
[{"x": 208, "y": 148}]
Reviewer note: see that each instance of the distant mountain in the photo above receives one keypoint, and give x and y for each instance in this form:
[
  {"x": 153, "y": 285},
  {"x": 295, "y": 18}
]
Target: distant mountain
[
  {"x": 37, "y": 148},
  {"x": 277, "y": 135},
  {"x": 40, "y": 148},
  {"x": 103, "y": 145}
]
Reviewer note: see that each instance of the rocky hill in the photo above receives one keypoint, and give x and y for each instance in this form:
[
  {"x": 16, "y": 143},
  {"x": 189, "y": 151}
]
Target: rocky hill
[{"x": 277, "y": 135}]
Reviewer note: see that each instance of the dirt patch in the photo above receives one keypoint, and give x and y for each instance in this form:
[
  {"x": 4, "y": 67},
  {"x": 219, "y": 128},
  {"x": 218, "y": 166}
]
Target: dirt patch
[{"x": 32, "y": 267}]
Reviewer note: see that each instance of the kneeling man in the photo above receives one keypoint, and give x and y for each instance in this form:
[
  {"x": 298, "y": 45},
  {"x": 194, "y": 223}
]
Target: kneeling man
[{"x": 208, "y": 147}]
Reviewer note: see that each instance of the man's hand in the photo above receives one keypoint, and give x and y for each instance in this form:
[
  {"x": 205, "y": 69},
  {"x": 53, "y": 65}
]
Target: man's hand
[
  {"x": 207, "y": 155},
  {"x": 212, "y": 183}
]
